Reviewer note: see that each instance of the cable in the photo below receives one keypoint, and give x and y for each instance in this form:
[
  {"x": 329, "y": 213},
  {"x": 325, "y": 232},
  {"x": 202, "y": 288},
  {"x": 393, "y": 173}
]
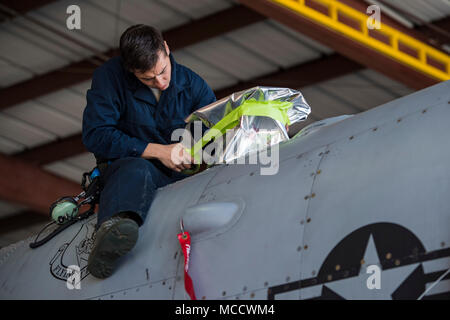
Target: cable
[
  {"x": 61, "y": 228},
  {"x": 45, "y": 227}
]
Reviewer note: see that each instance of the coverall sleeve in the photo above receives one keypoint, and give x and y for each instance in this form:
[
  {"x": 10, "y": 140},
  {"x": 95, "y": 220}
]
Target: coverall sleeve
[{"x": 100, "y": 119}]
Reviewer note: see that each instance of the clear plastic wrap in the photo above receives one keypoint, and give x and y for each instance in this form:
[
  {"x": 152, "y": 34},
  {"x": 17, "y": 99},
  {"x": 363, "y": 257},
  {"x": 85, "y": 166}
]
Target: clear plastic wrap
[{"x": 249, "y": 121}]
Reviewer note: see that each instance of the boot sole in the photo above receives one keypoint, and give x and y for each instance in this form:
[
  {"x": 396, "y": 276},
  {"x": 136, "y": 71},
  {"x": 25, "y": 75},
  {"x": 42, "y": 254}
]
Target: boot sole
[{"x": 115, "y": 243}]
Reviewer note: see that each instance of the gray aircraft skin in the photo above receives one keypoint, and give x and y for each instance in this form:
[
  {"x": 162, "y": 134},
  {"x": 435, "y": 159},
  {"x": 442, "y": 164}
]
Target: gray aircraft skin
[{"x": 351, "y": 193}]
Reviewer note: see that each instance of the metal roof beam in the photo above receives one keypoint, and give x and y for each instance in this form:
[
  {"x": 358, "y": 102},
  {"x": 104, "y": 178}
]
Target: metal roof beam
[
  {"x": 24, "y": 6},
  {"x": 342, "y": 44},
  {"x": 31, "y": 186},
  {"x": 193, "y": 32},
  {"x": 426, "y": 33},
  {"x": 302, "y": 75},
  {"x": 438, "y": 38},
  {"x": 53, "y": 151}
]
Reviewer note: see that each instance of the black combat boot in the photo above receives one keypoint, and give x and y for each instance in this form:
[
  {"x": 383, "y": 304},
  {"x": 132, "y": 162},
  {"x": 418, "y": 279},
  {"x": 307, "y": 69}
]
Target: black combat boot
[{"x": 115, "y": 237}]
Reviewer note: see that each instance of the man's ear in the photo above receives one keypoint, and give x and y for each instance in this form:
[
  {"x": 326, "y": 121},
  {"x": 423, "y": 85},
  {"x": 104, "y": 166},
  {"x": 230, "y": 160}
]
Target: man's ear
[{"x": 167, "y": 48}]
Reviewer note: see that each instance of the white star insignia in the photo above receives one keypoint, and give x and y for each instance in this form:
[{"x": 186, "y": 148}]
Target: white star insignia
[{"x": 356, "y": 288}]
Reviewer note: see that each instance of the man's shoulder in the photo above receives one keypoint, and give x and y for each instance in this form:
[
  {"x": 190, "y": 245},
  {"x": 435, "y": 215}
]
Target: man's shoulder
[
  {"x": 112, "y": 73},
  {"x": 111, "y": 67},
  {"x": 188, "y": 73},
  {"x": 190, "y": 80}
]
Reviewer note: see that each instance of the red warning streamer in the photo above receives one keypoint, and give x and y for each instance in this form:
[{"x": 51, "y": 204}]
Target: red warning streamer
[{"x": 185, "y": 242}]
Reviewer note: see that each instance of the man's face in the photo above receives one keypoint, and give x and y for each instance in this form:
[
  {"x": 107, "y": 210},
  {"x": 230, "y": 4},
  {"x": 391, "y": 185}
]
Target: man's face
[{"x": 159, "y": 76}]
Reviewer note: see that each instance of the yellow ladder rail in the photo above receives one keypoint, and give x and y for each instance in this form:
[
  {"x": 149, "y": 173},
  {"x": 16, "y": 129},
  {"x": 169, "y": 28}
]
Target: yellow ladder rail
[{"x": 391, "y": 49}]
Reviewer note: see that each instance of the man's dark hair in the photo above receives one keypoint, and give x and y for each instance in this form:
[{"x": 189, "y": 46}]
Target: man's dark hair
[{"x": 140, "y": 46}]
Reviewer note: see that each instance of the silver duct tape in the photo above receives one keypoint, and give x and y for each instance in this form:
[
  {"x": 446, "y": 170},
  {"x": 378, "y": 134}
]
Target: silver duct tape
[{"x": 254, "y": 133}]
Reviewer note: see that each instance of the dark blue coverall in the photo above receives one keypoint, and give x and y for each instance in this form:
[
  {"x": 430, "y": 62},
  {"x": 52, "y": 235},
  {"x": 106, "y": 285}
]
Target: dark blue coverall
[{"x": 121, "y": 117}]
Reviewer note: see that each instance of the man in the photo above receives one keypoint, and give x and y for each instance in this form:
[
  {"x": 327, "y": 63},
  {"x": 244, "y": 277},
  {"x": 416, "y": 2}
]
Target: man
[{"x": 135, "y": 102}]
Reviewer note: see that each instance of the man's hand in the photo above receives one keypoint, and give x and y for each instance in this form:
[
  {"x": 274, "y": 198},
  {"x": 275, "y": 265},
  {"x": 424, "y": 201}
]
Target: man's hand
[{"x": 173, "y": 156}]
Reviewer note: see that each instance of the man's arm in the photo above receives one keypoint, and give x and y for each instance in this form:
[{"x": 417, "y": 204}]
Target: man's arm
[
  {"x": 100, "y": 118},
  {"x": 172, "y": 156},
  {"x": 100, "y": 133}
]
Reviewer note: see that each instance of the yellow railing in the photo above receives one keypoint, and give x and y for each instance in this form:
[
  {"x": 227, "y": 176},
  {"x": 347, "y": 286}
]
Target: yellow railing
[{"x": 424, "y": 52}]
